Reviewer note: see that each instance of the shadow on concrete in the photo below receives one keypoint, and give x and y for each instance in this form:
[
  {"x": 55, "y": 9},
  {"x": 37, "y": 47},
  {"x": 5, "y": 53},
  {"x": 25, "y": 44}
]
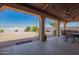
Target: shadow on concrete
[{"x": 17, "y": 42}]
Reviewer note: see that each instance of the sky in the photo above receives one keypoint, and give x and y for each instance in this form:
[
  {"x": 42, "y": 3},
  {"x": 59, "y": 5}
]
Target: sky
[{"x": 10, "y": 17}]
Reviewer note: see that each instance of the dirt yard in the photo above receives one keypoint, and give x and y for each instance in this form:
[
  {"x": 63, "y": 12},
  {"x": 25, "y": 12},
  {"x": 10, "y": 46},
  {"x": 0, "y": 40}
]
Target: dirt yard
[{"x": 6, "y": 36}]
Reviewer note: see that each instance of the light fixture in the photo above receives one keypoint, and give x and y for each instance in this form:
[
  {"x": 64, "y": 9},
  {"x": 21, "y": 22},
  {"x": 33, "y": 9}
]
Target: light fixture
[{"x": 68, "y": 13}]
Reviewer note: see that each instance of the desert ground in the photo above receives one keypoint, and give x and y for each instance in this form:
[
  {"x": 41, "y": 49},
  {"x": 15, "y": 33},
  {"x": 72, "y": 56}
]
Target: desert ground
[{"x": 6, "y": 36}]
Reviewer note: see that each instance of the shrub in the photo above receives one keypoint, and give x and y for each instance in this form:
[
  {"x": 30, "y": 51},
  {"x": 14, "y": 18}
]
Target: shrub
[
  {"x": 16, "y": 30},
  {"x": 27, "y": 29},
  {"x": 34, "y": 29},
  {"x": 1, "y": 30},
  {"x": 54, "y": 32}
]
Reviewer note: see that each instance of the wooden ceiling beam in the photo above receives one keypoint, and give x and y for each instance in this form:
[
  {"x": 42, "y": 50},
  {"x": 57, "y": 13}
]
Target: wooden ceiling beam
[
  {"x": 69, "y": 20},
  {"x": 32, "y": 11},
  {"x": 45, "y": 6},
  {"x": 1, "y": 4}
]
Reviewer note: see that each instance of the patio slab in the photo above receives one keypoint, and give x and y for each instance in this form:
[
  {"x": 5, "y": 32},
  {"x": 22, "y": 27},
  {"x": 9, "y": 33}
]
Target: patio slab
[{"x": 53, "y": 46}]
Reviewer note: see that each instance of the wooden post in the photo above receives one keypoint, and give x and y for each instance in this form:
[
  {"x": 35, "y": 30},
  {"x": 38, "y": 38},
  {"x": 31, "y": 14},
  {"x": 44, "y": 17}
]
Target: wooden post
[
  {"x": 57, "y": 28},
  {"x": 65, "y": 25},
  {"x": 42, "y": 28}
]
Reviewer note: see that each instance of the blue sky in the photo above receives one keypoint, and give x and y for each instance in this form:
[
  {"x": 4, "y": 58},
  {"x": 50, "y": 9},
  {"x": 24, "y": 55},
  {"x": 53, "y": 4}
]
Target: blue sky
[
  {"x": 73, "y": 24},
  {"x": 12, "y": 18}
]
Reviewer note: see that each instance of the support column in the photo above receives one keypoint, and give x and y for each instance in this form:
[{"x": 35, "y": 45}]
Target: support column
[
  {"x": 65, "y": 25},
  {"x": 57, "y": 28},
  {"x": 42, "y": 28}
]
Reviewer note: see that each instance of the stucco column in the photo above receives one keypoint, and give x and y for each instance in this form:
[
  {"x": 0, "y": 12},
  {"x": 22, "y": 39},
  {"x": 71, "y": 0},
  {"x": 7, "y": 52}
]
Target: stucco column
[
  {"x": 65, "y": 25},
  {"x": 42, "y": 28},
  {"x": 57, "y": 28}
]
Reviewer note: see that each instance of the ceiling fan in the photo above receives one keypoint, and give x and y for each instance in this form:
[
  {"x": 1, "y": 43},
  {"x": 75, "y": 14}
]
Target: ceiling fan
[{"x": 70, "y": 14}]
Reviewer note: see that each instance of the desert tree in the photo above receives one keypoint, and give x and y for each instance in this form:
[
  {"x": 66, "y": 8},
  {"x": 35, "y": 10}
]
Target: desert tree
[
  {"x": 34, "y": 29},
  {"x": 27, "y": 29},
  {"x": 1, "y": 30},
  {"x": 16, "y": 30}
]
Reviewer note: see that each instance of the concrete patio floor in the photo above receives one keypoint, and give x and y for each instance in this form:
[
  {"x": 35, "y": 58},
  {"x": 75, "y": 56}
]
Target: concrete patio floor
[{"x": 53, "y": 46}]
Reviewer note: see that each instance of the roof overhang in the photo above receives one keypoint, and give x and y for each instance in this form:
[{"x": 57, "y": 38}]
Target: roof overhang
[
  {"x": 27, "y": 9},
  {"x": 44, "y": 11}
]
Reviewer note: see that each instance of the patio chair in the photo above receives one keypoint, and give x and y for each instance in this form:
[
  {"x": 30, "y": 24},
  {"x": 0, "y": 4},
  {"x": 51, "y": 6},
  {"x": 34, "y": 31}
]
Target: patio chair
[
  {"x": 75, "y": 36},
  {"x": 67, "y": 34}
]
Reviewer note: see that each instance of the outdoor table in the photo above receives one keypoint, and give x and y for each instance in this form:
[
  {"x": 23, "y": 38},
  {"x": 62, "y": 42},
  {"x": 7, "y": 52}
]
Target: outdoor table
[{"x": 74, "y": 35}]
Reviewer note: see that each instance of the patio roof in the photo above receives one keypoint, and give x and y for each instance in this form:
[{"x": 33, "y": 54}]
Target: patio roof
[{"x": 59, "y": 11}]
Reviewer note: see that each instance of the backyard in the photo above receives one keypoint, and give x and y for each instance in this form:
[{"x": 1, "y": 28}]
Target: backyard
[{"x": 6, "y": 36}]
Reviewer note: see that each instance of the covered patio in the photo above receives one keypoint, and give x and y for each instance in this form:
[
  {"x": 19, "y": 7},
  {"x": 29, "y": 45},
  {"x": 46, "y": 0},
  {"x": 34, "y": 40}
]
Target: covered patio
[
  {"x": 53, "y": 46},
  {"x": 46, "y": 46}
]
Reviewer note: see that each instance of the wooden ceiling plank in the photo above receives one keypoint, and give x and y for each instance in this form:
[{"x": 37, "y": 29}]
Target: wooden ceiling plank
[{"x": 45, "y": 6}]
